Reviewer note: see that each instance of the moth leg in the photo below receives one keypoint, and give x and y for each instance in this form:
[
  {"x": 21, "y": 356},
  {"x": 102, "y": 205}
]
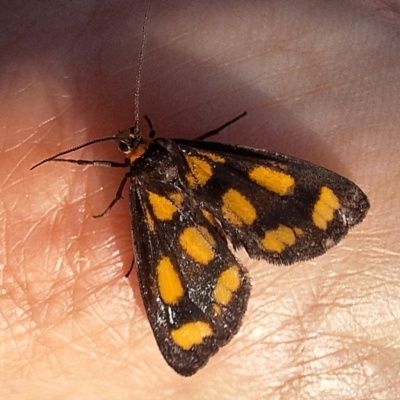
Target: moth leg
[
  {"x": 130, "y": 268},
  {"x": 220, "y": 128},
  {"x": 118, "y": 196},
  {"x": 152, "y": 132}
]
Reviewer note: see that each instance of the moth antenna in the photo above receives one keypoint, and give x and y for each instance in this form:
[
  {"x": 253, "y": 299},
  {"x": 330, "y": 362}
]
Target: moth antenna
[
  {"x": 61, "y": 153},
  {"x": 139, "y": 72}
]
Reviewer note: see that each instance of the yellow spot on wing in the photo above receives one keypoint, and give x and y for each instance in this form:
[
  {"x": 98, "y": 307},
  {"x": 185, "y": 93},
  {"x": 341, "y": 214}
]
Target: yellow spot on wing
[
  {"x": 237, "y": 209},
  {"x": 201, "y": 172},
  {"x": 168, "y": 281},
  {"x": 324, "y": 208},
  {"x": 149, "y": 220},
  {"x": 274, "y": 181},
  {"x": 228, "y": 282},
  {"x": 298, "y": 231},
  {"x": 276, "y": 240},
  {"x": 198, "y": 244},
  {"x": 208, "y": 216},
  {"x": 217, "y": 310},
  {"x": 176, "y": 198},
  {"x": 213, "y": 157},
  {"x": 163, "y": 207},
  {"x": 190, "y": 334}
]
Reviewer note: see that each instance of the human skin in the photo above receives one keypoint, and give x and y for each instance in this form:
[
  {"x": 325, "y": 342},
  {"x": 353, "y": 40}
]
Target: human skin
[{"x": 319, "y": 80}]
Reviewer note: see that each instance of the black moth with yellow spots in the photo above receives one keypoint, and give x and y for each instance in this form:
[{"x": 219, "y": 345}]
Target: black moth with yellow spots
[{"x": 189, "y": 199}]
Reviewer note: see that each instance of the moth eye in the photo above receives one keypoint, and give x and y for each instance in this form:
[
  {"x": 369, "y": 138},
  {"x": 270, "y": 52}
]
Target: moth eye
[{"x": 123, "y": 146}]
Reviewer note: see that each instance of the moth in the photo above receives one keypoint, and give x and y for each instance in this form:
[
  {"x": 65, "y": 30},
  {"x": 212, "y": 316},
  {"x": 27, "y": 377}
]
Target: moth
[{"x": 190, "y": 199}]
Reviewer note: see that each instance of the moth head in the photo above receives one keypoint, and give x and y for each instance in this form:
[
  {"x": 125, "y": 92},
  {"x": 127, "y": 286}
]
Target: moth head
[{"x": 129, "y": 140}]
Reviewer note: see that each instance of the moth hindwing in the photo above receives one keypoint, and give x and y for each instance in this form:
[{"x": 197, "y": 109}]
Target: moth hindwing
[{"x": 188, "y": 200}]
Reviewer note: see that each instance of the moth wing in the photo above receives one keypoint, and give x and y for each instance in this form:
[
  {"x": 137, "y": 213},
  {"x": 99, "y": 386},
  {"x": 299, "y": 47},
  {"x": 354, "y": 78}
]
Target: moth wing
[
  {"x": 194, "y": 290},
  {"x": 277, "y": 207}
]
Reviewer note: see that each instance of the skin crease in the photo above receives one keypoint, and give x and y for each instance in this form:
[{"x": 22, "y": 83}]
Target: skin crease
[{"x": 319, "y": 80}]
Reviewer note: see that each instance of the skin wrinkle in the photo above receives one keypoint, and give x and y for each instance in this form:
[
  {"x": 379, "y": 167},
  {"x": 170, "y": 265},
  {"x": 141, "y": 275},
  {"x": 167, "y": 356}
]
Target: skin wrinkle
[{"x": 319, "y": 81}]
